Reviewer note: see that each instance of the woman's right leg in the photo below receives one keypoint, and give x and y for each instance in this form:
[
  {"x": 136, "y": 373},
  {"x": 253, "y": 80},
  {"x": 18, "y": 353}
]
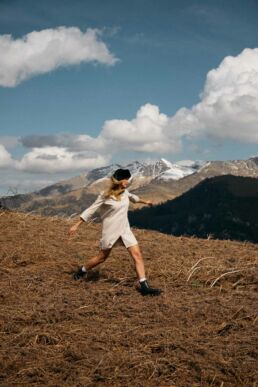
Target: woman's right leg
[
  {"x": 97, "y": 259},
  {"x": 92, "y": 262}
]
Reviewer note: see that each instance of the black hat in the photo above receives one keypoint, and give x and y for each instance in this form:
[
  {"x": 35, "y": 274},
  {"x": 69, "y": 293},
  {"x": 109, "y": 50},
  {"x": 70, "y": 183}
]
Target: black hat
[{"x": 121, "y": 174}]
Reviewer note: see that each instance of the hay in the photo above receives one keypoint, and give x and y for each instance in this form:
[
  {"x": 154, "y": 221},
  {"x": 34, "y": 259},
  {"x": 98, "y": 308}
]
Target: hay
[{"x": 102, "y": 332}]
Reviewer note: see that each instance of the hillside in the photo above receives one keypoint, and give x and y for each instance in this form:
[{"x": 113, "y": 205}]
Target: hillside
[
  {"x": 102, "y": 332},
  {"x": 223, "y": 207}
]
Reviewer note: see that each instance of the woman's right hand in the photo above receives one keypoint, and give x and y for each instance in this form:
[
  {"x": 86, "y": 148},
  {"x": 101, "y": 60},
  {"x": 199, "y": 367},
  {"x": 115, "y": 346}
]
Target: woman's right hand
[{"x": 73, "y": 229}]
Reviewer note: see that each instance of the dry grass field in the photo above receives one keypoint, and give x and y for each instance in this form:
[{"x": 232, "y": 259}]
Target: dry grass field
[{"x": 101, "y": 332}]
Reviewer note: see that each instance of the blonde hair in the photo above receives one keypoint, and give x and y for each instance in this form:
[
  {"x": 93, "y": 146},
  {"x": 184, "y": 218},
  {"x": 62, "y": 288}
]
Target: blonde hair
[{"x": 114, "y": 189}]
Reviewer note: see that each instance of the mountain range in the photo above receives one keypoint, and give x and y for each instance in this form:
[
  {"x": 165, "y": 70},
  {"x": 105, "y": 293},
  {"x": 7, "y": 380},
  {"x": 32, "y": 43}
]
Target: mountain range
[{"x": 159, "y": 181}]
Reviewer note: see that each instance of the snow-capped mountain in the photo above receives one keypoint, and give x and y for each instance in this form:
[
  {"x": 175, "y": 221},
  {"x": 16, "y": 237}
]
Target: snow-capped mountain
[
  {"x": 181, "y": 169},
  {"x": 143, "y": 172},
  {"x": 137, "y": 169}
]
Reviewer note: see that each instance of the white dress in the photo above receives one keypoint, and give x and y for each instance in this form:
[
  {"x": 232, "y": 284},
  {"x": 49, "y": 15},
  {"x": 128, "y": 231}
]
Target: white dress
[{"x": 114, "y": 216}]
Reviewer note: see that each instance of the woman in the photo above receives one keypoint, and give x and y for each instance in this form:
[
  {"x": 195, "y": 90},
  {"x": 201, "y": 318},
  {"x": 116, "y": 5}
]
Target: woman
[{"x": 113, "y": 205}]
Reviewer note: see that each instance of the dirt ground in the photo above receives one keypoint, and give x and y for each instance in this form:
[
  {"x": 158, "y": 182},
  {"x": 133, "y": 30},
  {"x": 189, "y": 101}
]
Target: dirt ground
[{"x": 202, "y": 330}]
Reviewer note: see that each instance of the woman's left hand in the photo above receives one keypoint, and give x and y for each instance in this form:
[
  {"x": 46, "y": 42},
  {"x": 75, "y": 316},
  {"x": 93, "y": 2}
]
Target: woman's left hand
[{"x": 149, "y": 202}]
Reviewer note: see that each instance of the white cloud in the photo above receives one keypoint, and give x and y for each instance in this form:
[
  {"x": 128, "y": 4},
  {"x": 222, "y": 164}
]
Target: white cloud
[
  {"x": 228, "y": 110},
  {"x": 229, "y": 102},
  {"x": 5, "y": 158},
  {"x": 85, "y": 142},
  {"x": 39, "y": 52},
  {"x": 145, "y": 133},
  {"x": 57, "y": 159}
]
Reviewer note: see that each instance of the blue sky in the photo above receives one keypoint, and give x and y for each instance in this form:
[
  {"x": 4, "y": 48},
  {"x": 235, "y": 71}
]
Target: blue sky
[{"x": 156, "y": 60}]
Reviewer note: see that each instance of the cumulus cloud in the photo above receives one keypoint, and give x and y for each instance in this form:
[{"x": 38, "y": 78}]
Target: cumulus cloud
[
  {"x": 229, "y": 103},
  {"x": 150, "y": 131},
  {"x": 5, "y": 158},
  {"x": 145, "y": 133},
  {"x": 228, "y": 109},
  {"x": 39, "y": 52},
  {"x": 57, "y": 159}
]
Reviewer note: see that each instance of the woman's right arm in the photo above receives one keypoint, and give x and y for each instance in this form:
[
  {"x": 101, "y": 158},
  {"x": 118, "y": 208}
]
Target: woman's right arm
[
  {"x": 75, "y": 227},
  {"x": 86, "y": 214}
]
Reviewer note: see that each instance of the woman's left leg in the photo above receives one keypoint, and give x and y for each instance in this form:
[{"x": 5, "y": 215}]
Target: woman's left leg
[
  {"x": 145, "y": 288},
  {"x": 136, "y": 254}
]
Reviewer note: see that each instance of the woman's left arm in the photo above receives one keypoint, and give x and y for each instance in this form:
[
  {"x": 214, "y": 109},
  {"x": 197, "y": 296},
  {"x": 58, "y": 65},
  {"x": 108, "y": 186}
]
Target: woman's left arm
[
  {"x": 149, "y": 202},
  {"x": 136, "y": 199}
]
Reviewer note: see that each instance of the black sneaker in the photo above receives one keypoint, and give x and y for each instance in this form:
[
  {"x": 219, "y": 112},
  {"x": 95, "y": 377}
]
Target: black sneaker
[
  {"x": 146, "y": 290},
  {"x": 79, "y": 274}
]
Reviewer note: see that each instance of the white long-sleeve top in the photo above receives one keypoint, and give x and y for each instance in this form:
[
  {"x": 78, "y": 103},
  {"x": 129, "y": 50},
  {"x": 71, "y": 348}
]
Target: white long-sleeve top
[{"x": 114, "y": 216}]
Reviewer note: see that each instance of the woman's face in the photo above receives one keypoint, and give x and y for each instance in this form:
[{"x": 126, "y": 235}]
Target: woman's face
[{"x": 124, "y": 183}]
